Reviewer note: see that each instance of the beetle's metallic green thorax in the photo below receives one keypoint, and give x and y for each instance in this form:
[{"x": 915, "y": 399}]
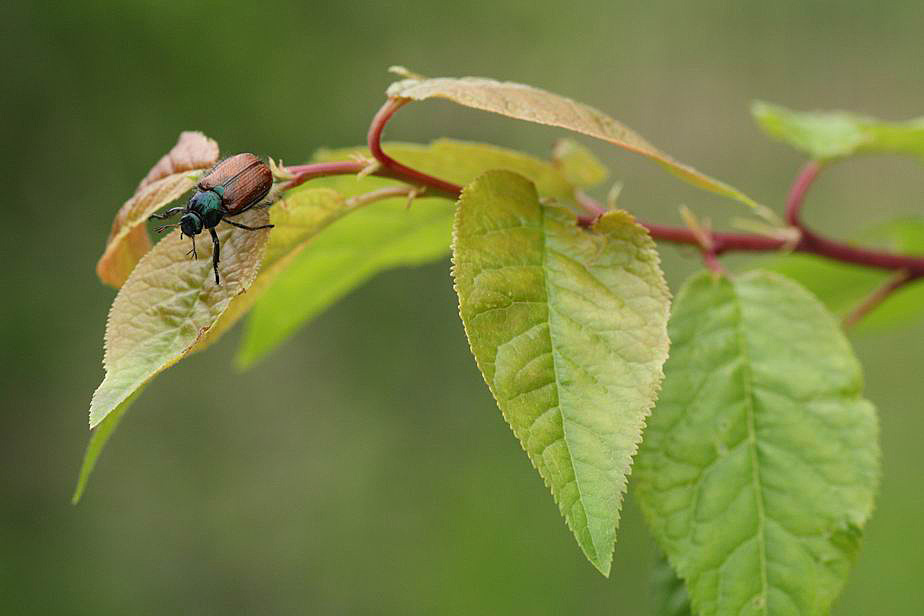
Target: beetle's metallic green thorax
[{"x": 207, "y": 205}]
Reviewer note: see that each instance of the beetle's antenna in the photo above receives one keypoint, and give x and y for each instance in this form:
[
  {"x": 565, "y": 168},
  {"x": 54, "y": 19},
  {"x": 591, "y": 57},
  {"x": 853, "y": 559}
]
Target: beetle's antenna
[
  {"x": 193, "y": 251},
  {"x": 165, "y": 227}
]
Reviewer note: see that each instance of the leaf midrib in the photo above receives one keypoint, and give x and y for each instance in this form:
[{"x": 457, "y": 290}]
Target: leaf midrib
[
  {"x": 747, "y": 383},
  {"x": 554, "y": 352}
]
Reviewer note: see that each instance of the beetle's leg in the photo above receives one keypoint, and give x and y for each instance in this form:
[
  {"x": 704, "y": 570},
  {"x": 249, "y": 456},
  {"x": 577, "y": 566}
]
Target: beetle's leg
[
  {"x": 193, "y": 251},
  {"x": 171, "y": 212},
  {"x": 240, "y": 226},
  {"x": 215, "y": 251}
]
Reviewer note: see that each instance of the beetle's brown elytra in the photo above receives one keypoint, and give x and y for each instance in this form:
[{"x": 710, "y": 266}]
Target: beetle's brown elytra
[
  {"x": 230, "y": 188},
  {"x": 245, "y": 178}
]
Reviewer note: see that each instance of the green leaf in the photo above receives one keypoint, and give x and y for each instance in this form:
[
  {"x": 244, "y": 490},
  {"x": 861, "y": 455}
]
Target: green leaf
[
  {"x": 98, "y": 440},
  {"x": 761, "y": 460},
  {"x": 842, "y": 286},
  {"x": 827, "y": 135},
  {"x": 168, "y": 303},
  {"x": 351, "y": 251},
  {"x": 669, "y": 593},
  {"x": 523, "y": 102},
  {"x": 385, "y": 235},
  {"x": 578, "y": 164},
  {"x": 568, "y": 328}
]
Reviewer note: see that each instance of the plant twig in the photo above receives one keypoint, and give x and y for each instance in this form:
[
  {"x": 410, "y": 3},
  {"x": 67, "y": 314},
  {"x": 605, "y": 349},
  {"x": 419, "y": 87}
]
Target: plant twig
[
  {"x": 720, "y": 243},
  {"x": 389, "y": 164},
  {"x": 384, "y": 193},
  {"x": 798, "y": 191},
  {"x": 303, "y": 173},
  {"x": 874, "y": 299}
]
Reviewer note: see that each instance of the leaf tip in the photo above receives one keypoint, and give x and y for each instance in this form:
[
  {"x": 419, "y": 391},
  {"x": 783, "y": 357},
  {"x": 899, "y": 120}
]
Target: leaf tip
[
  {"x": 404, "y": 72},
  {"x": 602, "y": 562},
  {"x": 78, "y": 493}
]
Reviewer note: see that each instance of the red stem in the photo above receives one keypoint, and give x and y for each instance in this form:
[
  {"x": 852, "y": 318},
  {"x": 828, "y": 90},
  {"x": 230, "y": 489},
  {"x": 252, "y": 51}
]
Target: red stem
[
  {"x": 799, "y": 188},
  {"x": 394, "y": 167},
  {"x": 809, "y": 241},
  {"x": 303, "y": 173}
]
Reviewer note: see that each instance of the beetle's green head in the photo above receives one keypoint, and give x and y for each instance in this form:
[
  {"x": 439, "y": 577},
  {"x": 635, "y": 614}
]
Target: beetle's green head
[{"x": 191, "y": 224}]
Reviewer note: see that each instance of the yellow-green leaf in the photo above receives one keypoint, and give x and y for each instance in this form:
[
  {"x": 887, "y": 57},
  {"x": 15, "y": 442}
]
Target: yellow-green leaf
[
  {"x": 578, "y": 164},
  {"x": 568, "y": 328},
  {"x": 168, "y": 302},
  {"x": 524, "y": 102}
]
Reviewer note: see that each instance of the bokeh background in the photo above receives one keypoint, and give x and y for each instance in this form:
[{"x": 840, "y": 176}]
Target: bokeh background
[{"x": 363, "y": 468}]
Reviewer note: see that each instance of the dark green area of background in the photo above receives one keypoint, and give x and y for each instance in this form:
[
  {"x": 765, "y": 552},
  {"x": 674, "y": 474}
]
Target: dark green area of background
[{"x": 364, "y": 468}]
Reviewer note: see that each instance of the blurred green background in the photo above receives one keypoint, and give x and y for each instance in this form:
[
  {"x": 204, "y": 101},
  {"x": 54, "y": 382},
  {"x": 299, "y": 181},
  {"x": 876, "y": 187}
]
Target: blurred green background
[{"x": 364, "y": 468}]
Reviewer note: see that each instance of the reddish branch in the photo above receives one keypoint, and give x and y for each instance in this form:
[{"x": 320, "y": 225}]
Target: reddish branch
[
  {"x": 393, "y": 167},
  {"x": 909, "y": 268}
]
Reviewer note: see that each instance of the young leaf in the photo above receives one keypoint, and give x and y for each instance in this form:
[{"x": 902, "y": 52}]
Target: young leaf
[
  {"x": 568, "y": 328},
  {"x": 297, "y": 217},
  {"x": 760, "y": 462},
  {"x": 578, "y": 164},
  {"x": 168, "y": 302},
  {"x": 128, "y": 240},
  {"x": 827, "y": 135},
  {"x": 192, "y": 151},
  {"x": 524, "y": 102},
  {"x": 384, "y": 235}
]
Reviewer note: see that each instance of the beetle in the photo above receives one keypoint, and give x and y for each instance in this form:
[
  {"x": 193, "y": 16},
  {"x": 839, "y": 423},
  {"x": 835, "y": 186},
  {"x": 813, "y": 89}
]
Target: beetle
[{"x": 230, "y": 188}]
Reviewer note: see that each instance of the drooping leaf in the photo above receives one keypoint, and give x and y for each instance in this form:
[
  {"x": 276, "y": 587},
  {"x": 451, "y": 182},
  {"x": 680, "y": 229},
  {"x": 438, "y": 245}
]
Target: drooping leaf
[
  {"x": 524, "y": 102},
  {"x": 827, "y": 135},
  {"x": 669, "y": 593},
  {"x": 760, "y": 462},
  {"x": 568, "y": 328},
  {"x": 168, "y": 302},
  {"x": 843, "y": 286},
  {"x": 384, "y": 235},
  {"x": 578, "y": 164},
  {"x": 171, "y": 177}
]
